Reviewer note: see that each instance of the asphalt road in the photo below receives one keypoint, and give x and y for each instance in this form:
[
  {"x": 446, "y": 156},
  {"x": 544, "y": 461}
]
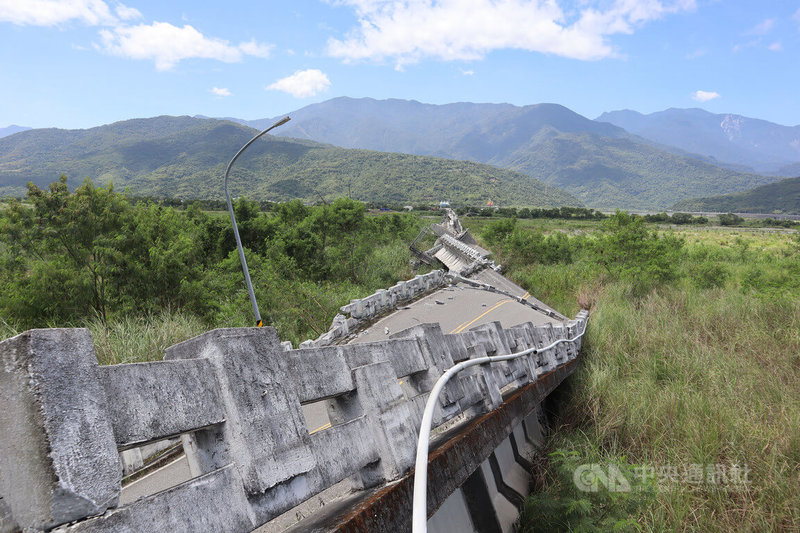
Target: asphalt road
[
  {"x": 455, "y": 309},
  {"x": 163, "y": 478}
]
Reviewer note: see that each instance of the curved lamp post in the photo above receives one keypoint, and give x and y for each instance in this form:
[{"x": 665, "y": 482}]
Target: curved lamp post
[{"x": 253, "y": 302}]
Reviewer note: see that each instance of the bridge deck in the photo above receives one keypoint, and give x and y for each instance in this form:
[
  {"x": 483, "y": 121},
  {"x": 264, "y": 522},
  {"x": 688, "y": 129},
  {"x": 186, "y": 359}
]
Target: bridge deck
[{"x": 455, "y": 309}]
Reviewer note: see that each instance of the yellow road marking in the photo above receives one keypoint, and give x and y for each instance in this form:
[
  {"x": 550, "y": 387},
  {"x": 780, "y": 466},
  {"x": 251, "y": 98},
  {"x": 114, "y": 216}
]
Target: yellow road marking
[
  {"x": 526, "y": 295},
  {"x": 460, "y": 328},
  {"x": 326, "y": 426}
]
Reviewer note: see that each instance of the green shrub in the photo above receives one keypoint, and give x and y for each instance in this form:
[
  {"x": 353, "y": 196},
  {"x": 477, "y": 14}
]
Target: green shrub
[
  {"x": 709, "y": 274},
  {"x": 631, "y": 252},
  {"x": 729, "y": 219}
]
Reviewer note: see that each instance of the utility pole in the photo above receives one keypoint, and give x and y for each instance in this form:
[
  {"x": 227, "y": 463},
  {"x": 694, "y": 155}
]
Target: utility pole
[{"x": 247, "y": 281}]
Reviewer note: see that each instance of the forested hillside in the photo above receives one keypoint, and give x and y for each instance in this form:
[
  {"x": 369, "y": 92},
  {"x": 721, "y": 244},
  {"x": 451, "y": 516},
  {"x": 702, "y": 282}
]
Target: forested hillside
[
  {"x": 618, "y": 172},
  {"x": 782, "y": 197},
  {"x": 185, "y": 157}
]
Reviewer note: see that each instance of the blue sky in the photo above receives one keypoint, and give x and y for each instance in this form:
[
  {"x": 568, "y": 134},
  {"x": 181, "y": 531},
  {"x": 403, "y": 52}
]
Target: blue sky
[{"x": 82, "y": 63}]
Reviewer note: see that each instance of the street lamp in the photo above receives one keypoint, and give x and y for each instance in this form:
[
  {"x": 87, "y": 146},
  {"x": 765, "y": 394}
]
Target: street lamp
[{"x": 253, "y": 302}]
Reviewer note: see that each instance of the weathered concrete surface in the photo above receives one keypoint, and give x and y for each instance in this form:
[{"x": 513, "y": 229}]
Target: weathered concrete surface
[
  {"x": 257, "y": 448},
  {"x": 56, "y": 435},
  {"x": 151, "y": 401},
  {"x": 388, "y": 509},
  {"x": 264, "y": 430},
  {"x": 7, "y": 523},
  {"x": 452, "y": 516},
  {"x": 213, "y": 502},
  {"x": 324, "y": 372}
]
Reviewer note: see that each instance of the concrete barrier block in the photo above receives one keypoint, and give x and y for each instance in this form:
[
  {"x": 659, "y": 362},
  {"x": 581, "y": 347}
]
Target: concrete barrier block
[
  {"x": 152, "y": 401},
  {"x": 434, "y": 355},
  {"x": 320, "y": 373},
  {"x": 213, "y": 502},
  {"x": 457, "y": 347},
  {"x": 264, "y": 432},
  {"x": 389, "y": 416},
  {"x": 131, "y": 460},
  {"x": 471, "y": 384},
  {"x": 58, "y": 458},
  {"x": 342, "y": 450},
  {"x": 547, "y": 359}
]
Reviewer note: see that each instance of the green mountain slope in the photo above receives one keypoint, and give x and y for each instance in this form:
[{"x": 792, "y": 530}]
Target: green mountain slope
[
  {"x": 781, "y": 197},
  {"x": 185, "y": 157},
  {"x": 601, "y": 164},
  {"x": 619, "y": 172}
]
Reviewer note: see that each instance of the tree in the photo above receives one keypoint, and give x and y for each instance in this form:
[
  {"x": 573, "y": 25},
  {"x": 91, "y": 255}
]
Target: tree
[{"x": 630, "y": 251}]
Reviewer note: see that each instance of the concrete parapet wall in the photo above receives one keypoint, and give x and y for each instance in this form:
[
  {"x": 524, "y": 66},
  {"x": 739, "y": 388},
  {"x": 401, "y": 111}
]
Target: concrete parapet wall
[
  {"x": 235, "y": 396},
  {"x": 361, "y": 311}
]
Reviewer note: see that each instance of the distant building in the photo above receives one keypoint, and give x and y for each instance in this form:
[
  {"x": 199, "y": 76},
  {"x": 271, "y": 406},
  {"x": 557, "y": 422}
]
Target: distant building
[
  {"x": 444, "y": 203},
  {"x": 490, "y": 203},
  {"x": 408, "y": 207}
]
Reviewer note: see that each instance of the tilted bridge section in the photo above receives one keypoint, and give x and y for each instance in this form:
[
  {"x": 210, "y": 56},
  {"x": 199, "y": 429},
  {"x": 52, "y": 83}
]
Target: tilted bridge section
[{"x": 240, "y": 401}]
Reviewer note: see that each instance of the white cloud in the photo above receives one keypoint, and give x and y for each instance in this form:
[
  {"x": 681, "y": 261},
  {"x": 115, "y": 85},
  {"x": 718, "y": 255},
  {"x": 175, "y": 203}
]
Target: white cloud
[
  {"x": 54, "y": 12},
  {"x": 407, "y": 31},
  {"x": 467, "y": 72},
  {"x": 128, "y": 13},
  {"x": 221, "y": 91},
  {"x": 303, "y": 83},
  {"x": 166, "y": 44},
  {"x": 704, "y": 96},
  {"x": 776, "y": 47},
  {"x": 253, "y": 48},
  {"x": 762, "y": 28}
]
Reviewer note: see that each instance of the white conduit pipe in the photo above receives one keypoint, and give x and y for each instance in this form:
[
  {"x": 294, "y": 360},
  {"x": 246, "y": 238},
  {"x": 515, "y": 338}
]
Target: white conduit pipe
[{"x": 420, "y": 505}]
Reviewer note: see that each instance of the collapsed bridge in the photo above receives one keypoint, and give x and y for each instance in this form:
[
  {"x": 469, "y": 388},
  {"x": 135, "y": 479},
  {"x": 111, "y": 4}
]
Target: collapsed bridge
[{"x": 268, "y": 431}]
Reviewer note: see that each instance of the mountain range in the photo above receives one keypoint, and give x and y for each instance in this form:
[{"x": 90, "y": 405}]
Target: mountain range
[
  {"x": 653, "y": 162},
  {"x": 743, "y": 143},
  {"x": 185, "y": 157},
  {"x": 12, "y": 129},
  {"x": 603, "y": 165}
]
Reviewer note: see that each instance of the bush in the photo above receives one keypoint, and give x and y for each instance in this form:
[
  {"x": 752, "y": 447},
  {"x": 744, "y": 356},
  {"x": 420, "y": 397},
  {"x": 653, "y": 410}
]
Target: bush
[
  {"x": 729, "y": 219},
  {"x": 630, "y": 252},
  {"x": 709, "y": 274}
]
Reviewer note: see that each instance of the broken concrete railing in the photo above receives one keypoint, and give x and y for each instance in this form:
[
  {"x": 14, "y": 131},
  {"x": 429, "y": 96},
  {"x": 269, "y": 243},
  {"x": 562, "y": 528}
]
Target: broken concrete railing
[
  {"x": 361, "y": 311},
  {"x": 403, "y": 291},
  {"x": 235, "y": 396}
]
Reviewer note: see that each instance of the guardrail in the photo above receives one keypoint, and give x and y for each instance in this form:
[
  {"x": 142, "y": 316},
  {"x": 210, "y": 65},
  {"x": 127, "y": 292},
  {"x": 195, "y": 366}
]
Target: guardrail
[
  {"x": 420, "y": 503},
  {"x": 235, "y": 395}
]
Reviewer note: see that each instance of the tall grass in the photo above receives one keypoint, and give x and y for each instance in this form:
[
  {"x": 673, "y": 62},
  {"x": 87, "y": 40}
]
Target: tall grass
[
  {"x": 132, "y": 339},
  {"x": 695, "y": 372},
  {"x": 145, "y": 338}
]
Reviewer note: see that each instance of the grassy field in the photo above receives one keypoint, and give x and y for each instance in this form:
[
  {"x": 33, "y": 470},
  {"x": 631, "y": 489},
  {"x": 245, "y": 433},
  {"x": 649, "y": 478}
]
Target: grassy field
[{"x": 692, "y": 387}]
